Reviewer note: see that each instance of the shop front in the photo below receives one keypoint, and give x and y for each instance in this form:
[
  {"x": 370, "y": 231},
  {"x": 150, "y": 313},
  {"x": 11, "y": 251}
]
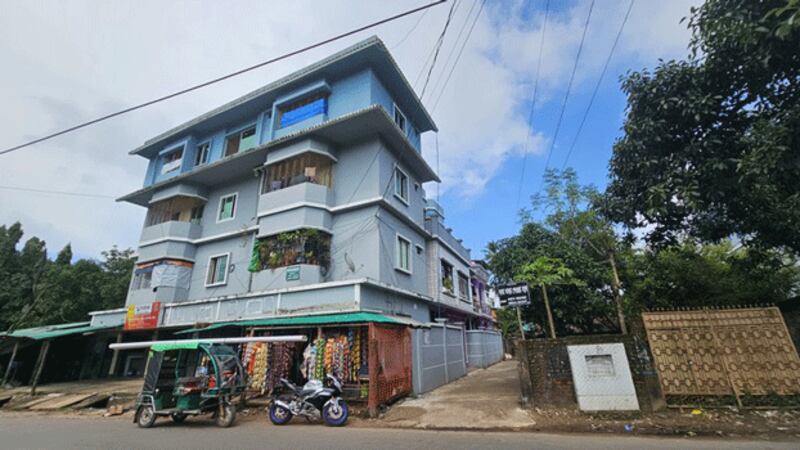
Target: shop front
[{"x": 369, "y": 352}]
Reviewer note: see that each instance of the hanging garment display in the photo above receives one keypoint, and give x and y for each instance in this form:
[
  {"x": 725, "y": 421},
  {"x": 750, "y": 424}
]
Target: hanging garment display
[
  {"x": 267, "y": 363},
  {"x": 338, "y": 354}
]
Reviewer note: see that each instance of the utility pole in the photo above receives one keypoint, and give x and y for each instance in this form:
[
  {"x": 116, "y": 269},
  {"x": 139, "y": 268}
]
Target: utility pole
[
  {"x": 549, "y": 312},
  {"x": 615, "y": 284},
  {"x": 519, "y": 320}
]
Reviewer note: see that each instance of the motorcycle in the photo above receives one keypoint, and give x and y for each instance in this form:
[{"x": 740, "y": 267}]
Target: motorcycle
[{"x": 311, "y": 401}]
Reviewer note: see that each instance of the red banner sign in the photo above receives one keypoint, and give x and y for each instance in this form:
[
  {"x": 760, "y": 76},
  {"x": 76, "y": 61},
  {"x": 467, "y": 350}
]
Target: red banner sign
[{"x": 142, "y": 317}]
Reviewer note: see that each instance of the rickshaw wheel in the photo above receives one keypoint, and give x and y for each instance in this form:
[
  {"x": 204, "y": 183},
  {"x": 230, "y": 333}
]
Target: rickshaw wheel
[
  {"x": 146, "y": 416},
  {"x": 227, "y": 417},
  {"x": 178, "y": 417}
]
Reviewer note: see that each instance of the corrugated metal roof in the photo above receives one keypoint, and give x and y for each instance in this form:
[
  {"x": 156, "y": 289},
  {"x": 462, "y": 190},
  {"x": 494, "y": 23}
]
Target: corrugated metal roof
[
  {"x": 54, "y": 331},
  {"x": 323, "y": 319}
]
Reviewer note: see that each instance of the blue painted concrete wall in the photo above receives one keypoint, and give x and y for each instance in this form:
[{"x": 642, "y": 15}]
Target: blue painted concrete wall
[{"x": 346, "y": 95}]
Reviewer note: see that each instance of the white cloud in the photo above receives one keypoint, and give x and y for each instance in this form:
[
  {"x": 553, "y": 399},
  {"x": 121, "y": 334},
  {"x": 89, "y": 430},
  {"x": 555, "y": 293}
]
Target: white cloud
[{"x": 68, "y": 61}]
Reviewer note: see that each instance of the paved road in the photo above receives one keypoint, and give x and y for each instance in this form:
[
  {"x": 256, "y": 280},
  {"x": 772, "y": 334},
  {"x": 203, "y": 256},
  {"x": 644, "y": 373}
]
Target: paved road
[
  {"x": 487, "y": 399},
  {"x": 45, "y": 432}
]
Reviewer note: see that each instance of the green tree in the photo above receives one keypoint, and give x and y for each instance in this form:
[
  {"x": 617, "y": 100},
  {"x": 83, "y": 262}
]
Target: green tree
[
  {"x": 576, "y": 212},
  {"x": 543, "y": 272},
  {"x": 576, "y": 309},
  {"x": 38, "y": 291},
  {"x": 711, "y": 144},
  {"x": 714, "y": 275}
]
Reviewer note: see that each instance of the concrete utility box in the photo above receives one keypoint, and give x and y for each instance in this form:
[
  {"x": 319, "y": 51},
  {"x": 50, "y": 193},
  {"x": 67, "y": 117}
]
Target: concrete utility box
[{"x": 602, "y": 377}]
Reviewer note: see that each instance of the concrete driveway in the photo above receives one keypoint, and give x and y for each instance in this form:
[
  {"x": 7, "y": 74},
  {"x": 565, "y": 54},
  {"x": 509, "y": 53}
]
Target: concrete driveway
[{"x": 483, "y": 399}]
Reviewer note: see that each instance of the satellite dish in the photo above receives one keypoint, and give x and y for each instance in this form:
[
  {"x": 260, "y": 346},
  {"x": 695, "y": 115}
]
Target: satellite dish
[{"x": 350, "y": 264}]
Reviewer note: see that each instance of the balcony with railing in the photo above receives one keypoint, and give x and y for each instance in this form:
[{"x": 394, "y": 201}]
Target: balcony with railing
[
  {"x": 177, "y": 217},
  {"x": 291, "y": 258},
  {"x": 170, "y": 228},
  {"x": 296, "y": 192}
]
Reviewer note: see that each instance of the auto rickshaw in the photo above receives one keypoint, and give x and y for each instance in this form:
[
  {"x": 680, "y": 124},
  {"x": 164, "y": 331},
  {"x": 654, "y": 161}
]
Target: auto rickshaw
[{"x": 189, "y": 379}]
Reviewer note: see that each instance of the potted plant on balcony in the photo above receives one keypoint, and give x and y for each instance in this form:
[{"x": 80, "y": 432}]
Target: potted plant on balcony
[{"x": 447, "y": 284}]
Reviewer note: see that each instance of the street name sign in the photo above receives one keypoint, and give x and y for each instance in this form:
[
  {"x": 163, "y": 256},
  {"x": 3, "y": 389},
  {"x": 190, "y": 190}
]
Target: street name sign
[{"x": 514, "y": 295}]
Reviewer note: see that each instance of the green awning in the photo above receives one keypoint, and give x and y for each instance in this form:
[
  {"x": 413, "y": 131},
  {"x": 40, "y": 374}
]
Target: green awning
[
  {"x": 323, "y": 319},
  {"x": 175, "y": 346},
  {"x": 54, "y": 331}
]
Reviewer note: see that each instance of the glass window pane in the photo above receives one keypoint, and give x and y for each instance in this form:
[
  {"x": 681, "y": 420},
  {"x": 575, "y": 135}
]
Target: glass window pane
[
  {"x": 222, "y": 265},
  {"x": 248, "y": 139},
  {"x": 227, "y": 207}
]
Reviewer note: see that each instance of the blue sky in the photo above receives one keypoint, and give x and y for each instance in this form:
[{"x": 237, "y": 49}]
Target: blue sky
[
  {"x": 492, "y": 214},
  {"x": 71, "y": 61}
]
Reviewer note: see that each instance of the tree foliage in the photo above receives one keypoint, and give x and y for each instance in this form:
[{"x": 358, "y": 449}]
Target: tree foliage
[
  {"x": 694, "y": 275},
  {"x": 546, "y": 271},
  {"x": 572, "y": 234},
  {"x": 565, "y": 233},
  {"x": 37, "y": 291},
  {"x": 711, "y": 144}
]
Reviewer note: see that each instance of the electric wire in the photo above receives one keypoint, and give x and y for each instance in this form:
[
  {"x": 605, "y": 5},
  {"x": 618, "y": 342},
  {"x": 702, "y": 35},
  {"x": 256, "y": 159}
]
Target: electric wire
[
  {"x": 569, "y": 88},
  {"x": 225, "y": 77},
  {"x": 599, "y": 82},
  {"x": 533, "y": 101},
  {"x": 450, "y": 54},
  {"x": 416, "y": 24},
  {"x": 458, "y": 57},
  {"x": 438, "y": 47},
  {"x": 55, "y": 192}
]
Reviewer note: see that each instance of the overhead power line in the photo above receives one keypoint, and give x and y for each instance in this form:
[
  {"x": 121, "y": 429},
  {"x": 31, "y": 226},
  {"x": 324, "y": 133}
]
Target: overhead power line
[
  {"x": 416, "y": 24},
  {"x": 47, "y": 191},
  {"x": 438, "y": 47},
  {"x": 599, "y": 82},
  {"x": 533, "y": 102},
  {"x": 450, "y": 54},
  {"x": 569, "y": 89},
  {"x": 225, "y": 77},
  {"x": 460, "y": 51}
]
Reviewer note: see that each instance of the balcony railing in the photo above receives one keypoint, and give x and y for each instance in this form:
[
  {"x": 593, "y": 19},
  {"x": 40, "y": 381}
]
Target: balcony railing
[{"x": 171, "y": 228}]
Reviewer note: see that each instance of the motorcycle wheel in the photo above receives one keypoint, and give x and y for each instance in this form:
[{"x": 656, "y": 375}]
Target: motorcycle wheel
[
  {"x": 178, "y": 417},
  {"x": 335, "y": 414},
  {"x": 279, "y": 415},
  {"x": 146, "y": 416},
  {"x": 227, "y": 417}
]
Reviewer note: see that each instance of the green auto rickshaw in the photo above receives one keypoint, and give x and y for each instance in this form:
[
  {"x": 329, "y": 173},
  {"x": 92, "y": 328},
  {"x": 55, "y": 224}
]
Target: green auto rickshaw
[{"x": 190, "y": 378}]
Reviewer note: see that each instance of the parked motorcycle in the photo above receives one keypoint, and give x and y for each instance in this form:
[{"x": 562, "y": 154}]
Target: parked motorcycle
[{"x": 313, "y": 400}]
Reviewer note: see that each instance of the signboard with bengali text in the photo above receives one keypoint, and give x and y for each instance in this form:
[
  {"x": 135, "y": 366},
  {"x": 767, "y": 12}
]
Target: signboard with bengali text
[
  {"x": 142, "y": 317},
  {"x": 514, "y": 295}
]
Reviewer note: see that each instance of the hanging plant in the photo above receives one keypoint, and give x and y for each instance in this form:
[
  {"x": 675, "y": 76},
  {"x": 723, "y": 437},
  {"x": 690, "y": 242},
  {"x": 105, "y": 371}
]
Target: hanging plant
[{"x": 447, "y": 283}]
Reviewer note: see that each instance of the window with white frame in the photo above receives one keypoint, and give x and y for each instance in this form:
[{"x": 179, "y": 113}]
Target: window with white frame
[
  {"x": 447, "y": 277},
  {"x": 217, "y": 273},
  {"x": 227, "y": 207},
  {"x": 403, "y": 260},
  {"x": 399, "y": 118},
  {"x": 400, "y": 185},
  {"x": 201, "y": 156},
  {"x": 142, "y": 279},
  {"x": 463, "y": 287}
]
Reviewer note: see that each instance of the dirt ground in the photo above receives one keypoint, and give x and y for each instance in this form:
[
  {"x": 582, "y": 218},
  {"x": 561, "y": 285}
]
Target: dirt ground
[{"x": 488, "y": 400}]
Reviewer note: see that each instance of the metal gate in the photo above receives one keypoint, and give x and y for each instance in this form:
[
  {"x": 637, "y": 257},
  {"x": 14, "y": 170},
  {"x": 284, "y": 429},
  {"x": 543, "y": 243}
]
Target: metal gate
[
  {"x": 389, "y": 364},
  {"x": 723, "y": 352}
]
